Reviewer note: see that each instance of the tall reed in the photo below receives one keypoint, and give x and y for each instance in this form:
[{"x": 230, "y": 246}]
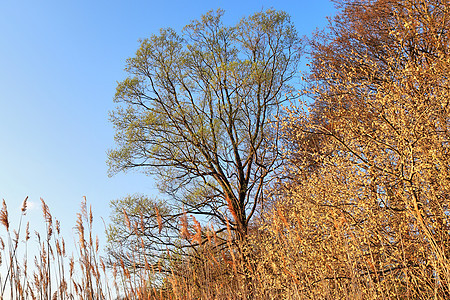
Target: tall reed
[{"x": 300, "y": 249}]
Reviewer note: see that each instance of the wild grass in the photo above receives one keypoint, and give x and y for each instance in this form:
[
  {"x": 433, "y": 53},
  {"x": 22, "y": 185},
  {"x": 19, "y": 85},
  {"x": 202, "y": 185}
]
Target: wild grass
[{"x": 302, "y": 250}]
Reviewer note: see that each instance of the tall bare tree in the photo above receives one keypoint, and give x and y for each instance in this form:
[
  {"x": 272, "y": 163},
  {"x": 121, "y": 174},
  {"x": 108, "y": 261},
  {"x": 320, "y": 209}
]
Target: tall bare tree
[{"x": 198, "y": 111}]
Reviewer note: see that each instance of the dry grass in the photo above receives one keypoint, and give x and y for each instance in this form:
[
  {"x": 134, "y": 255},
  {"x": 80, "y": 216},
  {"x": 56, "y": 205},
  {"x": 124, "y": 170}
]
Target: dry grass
[
  {"x": 303, "y": 250},
  {"x": 53, "y": 274}
]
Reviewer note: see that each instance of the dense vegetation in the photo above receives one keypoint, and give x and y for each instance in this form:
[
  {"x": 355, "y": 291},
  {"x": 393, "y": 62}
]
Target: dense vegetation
[{"x": 343, "y": 194}]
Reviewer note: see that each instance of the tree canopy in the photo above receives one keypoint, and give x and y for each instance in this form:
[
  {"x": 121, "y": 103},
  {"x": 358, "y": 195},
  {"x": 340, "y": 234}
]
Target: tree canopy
[
  {"x": 370, "y": 156},
  {"x": 198, "y": 111},
  {"x": 362, "y": 208}
]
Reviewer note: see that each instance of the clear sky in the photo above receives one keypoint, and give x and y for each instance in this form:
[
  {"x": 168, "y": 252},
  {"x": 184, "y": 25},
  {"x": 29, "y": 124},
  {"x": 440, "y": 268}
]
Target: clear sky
[{"x": 59, "y": 65}]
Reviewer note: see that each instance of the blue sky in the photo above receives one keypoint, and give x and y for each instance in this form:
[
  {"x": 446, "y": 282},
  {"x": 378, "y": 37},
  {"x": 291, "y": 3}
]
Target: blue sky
[{"x": 59, "y": 65}]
